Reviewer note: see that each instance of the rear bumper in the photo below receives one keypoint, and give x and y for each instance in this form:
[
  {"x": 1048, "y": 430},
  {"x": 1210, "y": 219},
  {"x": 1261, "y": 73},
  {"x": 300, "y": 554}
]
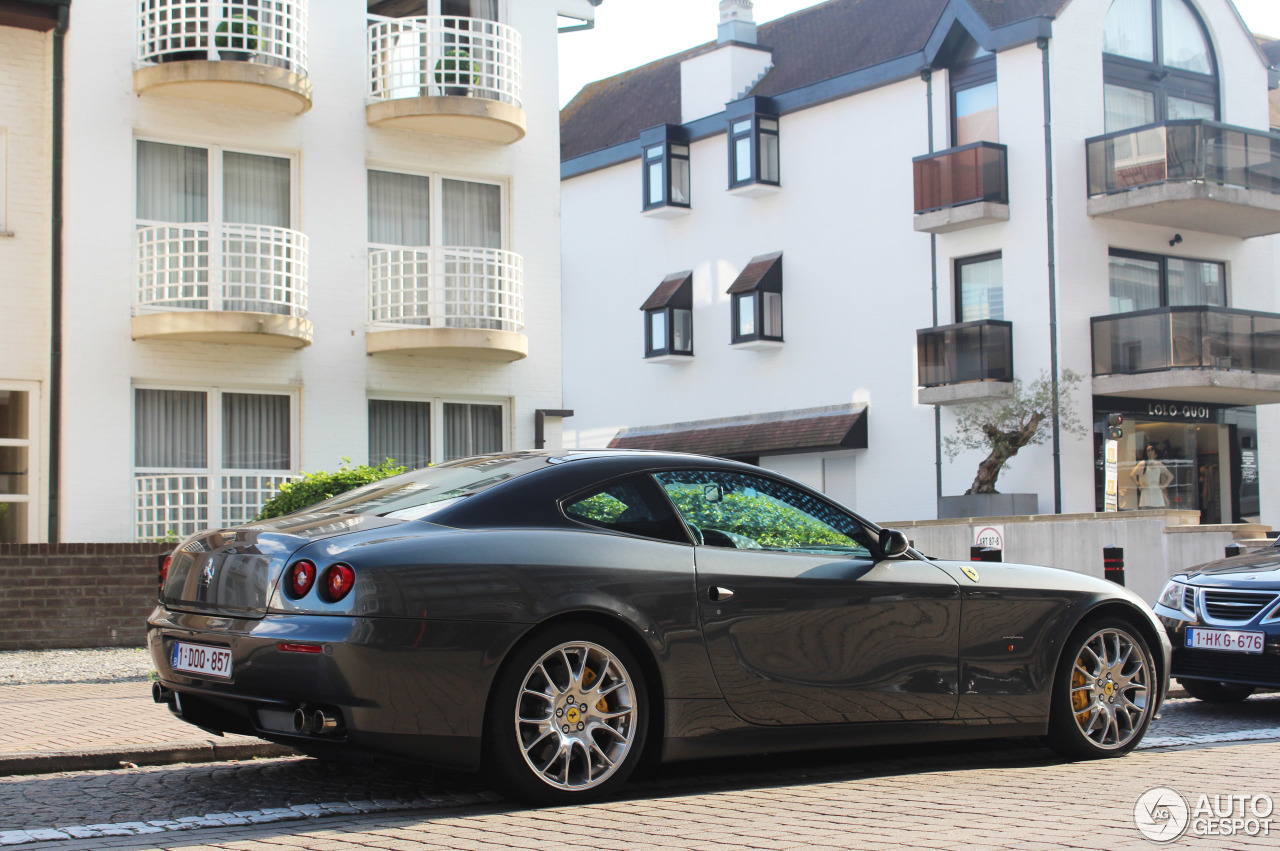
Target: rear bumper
[{"x": 402, "y": 688}]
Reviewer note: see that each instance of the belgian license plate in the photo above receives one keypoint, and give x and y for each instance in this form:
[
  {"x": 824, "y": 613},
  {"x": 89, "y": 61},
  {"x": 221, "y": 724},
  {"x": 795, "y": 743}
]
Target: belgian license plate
[
  {"x": 1225, "y": 639},
  {"x": 201, "y": 659}
]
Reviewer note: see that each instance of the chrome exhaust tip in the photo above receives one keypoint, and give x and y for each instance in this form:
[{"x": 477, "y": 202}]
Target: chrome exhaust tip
[
  {"x": 301, "y": 721},
  {"x": 157, "y": 693},
  {"x": 322, "y": 722}
]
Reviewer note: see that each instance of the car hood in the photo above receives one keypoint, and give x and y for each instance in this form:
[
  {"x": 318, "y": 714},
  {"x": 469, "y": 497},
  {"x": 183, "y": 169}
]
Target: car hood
[
  {"x": 1259, "y": 570},
  {"x": 231, "y": 572}
]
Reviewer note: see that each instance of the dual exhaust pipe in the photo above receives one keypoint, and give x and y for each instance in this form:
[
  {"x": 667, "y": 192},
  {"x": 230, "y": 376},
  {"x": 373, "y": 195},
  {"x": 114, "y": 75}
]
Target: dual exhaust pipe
[{"x": 317, "y": 722}]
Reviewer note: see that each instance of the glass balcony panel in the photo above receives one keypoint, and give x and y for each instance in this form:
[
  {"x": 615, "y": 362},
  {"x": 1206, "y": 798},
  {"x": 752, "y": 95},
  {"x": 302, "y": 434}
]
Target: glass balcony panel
[
  {"x": 1186, "y": 338},
  {"x": 976, "y": 172},
  {"x": 1265, "y": 342},
  {"x": 969, "y": 351},
  {"x": 1197, "y": 150}
]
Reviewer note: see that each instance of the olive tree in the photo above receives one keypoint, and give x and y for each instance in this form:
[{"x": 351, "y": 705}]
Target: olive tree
[{"x": 1003, "y": 427}]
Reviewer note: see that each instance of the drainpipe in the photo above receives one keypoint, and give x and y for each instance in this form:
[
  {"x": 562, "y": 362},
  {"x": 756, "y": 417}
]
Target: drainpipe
[
  {"x": 1043, "y": 44},
  {"x": 927, "y": 74},
  {"x": 55, "y": 267}
]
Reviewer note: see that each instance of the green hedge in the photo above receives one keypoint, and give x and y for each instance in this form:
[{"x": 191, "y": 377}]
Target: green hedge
[{"x": 311, "y": 488}]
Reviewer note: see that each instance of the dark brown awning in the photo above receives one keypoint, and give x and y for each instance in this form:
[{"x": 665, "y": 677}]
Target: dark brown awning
[
  {"x": 763, "y": 273},
  {"x": 674, "y": 291},
  {"x": 780, "y": 432},
  {"x": 41, "y": 17}
]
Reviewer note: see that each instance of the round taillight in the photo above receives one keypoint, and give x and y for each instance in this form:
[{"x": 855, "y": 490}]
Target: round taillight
[
  {"x": 302, "y": 575},
  {"x": 338, "y": 580}
]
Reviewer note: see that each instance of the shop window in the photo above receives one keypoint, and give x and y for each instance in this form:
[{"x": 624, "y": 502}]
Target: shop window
[
  {"x": 753, "y": 144},
  {"x": 980, "y": 288},
  {"x": 668, "y": 319},
  {"x": 757, "y": 302},
  {"x": 1158, "y": 64},
  {"x": 665, "y": 175},
  {"x": 1142, "y": 281}
]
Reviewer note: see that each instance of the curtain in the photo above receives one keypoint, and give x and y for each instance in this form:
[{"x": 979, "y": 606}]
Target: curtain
[
  {"x": 1128, "y": 30},
  {"x": 1184, "y": 44},
  {"x": 472, "y": 214},
  {"x": 485, "y": 9},
  {"x": 1124, "y": 108},
  {"x": 255, "y": 432},
  {"x": 471, "y": 429},
  {"x": 400, "y": 431},
  {"x": 1135, "y": 284},
  {"x": 170, "y": 429},
  {"x": 982, "y": 290},
  {"x": 173, "y": 183},
  {"x": 398, "y": 209},
  {"x": 255, "y": 190},
  {"x": 1193, "y": 282}
]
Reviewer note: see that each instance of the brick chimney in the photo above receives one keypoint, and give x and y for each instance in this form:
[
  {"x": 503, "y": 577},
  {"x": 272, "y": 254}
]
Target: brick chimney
[{"x": 728, "y": 71}]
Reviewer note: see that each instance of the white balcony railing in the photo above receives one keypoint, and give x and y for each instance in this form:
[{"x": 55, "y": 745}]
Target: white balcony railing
[
  {"x": 439, "y": 56},
  {"x": 182, "y": 502},
  {"x": 446, "y": 287},
  {"x": 268, "y": 32},
  {"x": 254, "y": 268}
]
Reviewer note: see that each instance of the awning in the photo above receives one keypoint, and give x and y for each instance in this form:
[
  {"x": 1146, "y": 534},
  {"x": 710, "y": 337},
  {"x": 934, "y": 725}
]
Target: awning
[
  {"x": 777, "y": 433},
  {"x": 763, "y": 273},
  {"x": 674, "y": 291}
]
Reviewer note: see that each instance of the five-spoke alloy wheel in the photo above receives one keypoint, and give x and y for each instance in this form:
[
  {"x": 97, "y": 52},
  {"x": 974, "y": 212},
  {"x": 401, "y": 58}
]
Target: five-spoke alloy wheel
[
  {"x": 1104, "y": 693},
  {"x": 569, "y": 716}
]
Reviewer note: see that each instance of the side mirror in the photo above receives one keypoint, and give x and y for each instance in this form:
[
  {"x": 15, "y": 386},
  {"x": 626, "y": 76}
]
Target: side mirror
[{"x": 892, "y": 543}]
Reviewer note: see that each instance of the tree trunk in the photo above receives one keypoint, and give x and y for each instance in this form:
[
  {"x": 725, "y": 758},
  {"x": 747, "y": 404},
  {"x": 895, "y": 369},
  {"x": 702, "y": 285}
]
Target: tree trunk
[{"x": 1004, "y": 445}]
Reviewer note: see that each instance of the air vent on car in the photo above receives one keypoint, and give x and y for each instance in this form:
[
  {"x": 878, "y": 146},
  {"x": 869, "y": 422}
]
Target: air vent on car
[{"x": 1235, "y": 606}]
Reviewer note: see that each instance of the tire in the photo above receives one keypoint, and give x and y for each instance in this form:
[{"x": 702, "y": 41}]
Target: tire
[
  {"x": 567, "y": 718},
  {"x": 1215, "y": 692},
  {"x": 1104, "y": 691}
]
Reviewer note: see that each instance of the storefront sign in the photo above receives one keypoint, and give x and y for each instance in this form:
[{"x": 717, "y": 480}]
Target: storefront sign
[
  {"x": 1180, "y": 411},
  {"x": 989, "y": 536},
  {"x": 1110, "y": 501},
  {"x": 1248, "y": 467}
]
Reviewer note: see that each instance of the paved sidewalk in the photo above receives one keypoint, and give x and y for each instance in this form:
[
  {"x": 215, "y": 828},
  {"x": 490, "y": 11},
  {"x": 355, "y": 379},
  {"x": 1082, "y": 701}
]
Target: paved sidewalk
[{"x": 81, "y": 727}]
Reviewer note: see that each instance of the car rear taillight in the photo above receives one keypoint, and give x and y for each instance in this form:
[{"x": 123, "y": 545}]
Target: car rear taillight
[
  {"x": 301, "y": 576},
  {"x": 338, "y": 580},
  {"x": 164, "y": 573}
]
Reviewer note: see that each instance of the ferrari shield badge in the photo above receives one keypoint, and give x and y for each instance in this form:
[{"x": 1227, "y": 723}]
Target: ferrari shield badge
[{"x": 969, "y": 572}]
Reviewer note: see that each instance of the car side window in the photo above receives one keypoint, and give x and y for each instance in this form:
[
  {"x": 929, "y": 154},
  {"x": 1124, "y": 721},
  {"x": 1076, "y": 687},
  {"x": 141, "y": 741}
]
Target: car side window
[
  {"x": 632, "y": 506},
  {"x": 755, "y": 513}
]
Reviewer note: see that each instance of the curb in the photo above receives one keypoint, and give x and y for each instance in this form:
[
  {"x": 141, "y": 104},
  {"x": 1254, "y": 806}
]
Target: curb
[{"x": 111, "y": 758}]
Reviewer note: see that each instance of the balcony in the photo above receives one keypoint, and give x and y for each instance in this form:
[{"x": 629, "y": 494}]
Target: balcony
[
  {"x": 239, "y": 52},
  {"x": 961, "y": 188},
  {"x": 1192, "y": 175},
  {"x": 222, "y": 283},
  {"x": 449, "y": 76},
  {"x": 1191, "y": 354},
  {"x": 968, "y": 362},
  {"x": 447, "y": 301},
  {"x": 184, "y": 501}
]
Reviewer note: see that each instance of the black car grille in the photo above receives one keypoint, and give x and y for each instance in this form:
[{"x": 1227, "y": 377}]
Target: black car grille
[
  {"x": 1263, "y": 669},
  {"x": 1189, "y": 599},
  {"x": 1235, "y": 606}
]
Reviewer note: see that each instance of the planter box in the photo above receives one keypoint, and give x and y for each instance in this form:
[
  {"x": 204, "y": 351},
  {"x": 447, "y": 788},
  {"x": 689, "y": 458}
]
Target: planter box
[{"x": 988, "y": 505}]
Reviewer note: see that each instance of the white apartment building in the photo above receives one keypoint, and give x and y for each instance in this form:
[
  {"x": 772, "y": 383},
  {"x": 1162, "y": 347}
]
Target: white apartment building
[
  {"x": 808, "y": 244},
  {"x": 27, "y": 58},
  {"x": 299, "y": 231}
]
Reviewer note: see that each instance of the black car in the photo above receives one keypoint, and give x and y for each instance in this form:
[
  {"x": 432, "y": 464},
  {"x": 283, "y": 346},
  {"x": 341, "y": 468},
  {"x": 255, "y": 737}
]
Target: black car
[
  {"x": 552, "y": 618},
  {"x": 1223, "y": 620}
]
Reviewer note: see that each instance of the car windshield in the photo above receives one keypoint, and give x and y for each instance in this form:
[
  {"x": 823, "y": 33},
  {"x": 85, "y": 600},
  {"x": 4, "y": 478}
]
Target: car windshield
[{"x": 415, "y": 495}]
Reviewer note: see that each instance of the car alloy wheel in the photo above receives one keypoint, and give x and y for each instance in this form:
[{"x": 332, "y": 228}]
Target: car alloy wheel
[
  {"x": 570, "y": 719},
  {"x": 1104, "y": 693}
]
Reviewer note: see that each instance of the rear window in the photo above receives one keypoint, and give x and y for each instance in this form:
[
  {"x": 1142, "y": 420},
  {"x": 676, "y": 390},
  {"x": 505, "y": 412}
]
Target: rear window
[{"x": 416, "y": 495}]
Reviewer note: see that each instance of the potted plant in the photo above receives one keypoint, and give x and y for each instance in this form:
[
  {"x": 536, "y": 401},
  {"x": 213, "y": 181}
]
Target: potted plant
[
  {"x": 236, "y": 38},
  {"x": 1001, "y": 428},
  {"x": 453, "y": 72}
]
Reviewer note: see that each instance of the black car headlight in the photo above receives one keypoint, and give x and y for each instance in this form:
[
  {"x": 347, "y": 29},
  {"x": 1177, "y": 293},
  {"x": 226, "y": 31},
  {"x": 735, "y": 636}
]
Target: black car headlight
[{"x": 1173, "y": 596}]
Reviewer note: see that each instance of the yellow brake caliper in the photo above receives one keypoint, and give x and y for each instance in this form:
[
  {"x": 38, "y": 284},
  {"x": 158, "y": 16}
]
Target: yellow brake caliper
[
  {"x": 589, "y": 677},
  {"x": 1079, "y": 698}
]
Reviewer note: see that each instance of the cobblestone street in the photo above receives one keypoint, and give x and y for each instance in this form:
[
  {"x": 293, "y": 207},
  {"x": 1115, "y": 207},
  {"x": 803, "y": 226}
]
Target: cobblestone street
[{"x": 984, "y": 795}]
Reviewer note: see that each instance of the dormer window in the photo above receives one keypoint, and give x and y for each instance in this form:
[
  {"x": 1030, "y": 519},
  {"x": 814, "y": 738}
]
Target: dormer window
[
  {"x": 754, "y": 167},
  {"x": 757, "y": 304},
  {"x": 665, "y": 160},
  {"x": 668, "y": 320}
]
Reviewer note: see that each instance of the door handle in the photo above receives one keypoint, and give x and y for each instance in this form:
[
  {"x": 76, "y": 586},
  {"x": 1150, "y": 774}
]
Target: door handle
[{"x": 716, "y": 594}]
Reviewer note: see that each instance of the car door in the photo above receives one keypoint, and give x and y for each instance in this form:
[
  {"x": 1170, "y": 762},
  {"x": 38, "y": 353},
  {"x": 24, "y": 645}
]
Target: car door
[{"x": 802, "y": 622}]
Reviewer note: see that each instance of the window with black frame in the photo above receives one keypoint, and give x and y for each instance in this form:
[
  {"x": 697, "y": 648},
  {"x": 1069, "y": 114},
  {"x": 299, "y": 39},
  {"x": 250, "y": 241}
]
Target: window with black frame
[
  {"x": 980, "y": 287},
  {"x": 757, "y": 301},
  {"x": 665, "y": 169},
  {"x": 975, "y": 114},
  {"x": 753, "y": 144},
  {"x": 1158, "y": 64},
  {"x": 668, "y": 319},
  {"x": 1141, "y": 281}
]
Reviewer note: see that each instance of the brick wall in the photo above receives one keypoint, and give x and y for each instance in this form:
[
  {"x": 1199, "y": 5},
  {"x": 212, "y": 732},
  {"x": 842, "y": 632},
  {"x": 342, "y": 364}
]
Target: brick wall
[{"x": 76, "y": 595}]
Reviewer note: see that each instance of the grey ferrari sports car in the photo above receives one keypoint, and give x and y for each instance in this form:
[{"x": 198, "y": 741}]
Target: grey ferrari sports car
[{"x": 554, "y": 618}]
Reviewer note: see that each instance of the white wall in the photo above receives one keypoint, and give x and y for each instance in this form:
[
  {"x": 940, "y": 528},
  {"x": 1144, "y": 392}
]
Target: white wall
[{"x": 333, "y": 146}]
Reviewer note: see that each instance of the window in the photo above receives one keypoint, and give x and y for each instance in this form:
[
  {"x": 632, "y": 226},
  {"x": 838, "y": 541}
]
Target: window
[
  {"x": 980, "y": 288},
  {"x": 208, "y": 457},
  {"x": 400, "y": 431},
  {"x": 415, "y": 433},
  {"x": 975, "y": 116},
  {"x": 753, "y": 143},
  {"x": 19, "y": 461},
  {"x": 1142, "y": 281},
  {"x": 1158, "y": 64},
  {"x": 632, "y": 506},
  {"x": 746, "y": 512},
  {"x": 665, "y": 160},
  {"x": 471, "y": 429},
  {"x": 757, "y": 301},
  {"x": 179, "y": 184},
  {"x": 404, "y": 212},
  {"x": 668, "y": 318}
]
